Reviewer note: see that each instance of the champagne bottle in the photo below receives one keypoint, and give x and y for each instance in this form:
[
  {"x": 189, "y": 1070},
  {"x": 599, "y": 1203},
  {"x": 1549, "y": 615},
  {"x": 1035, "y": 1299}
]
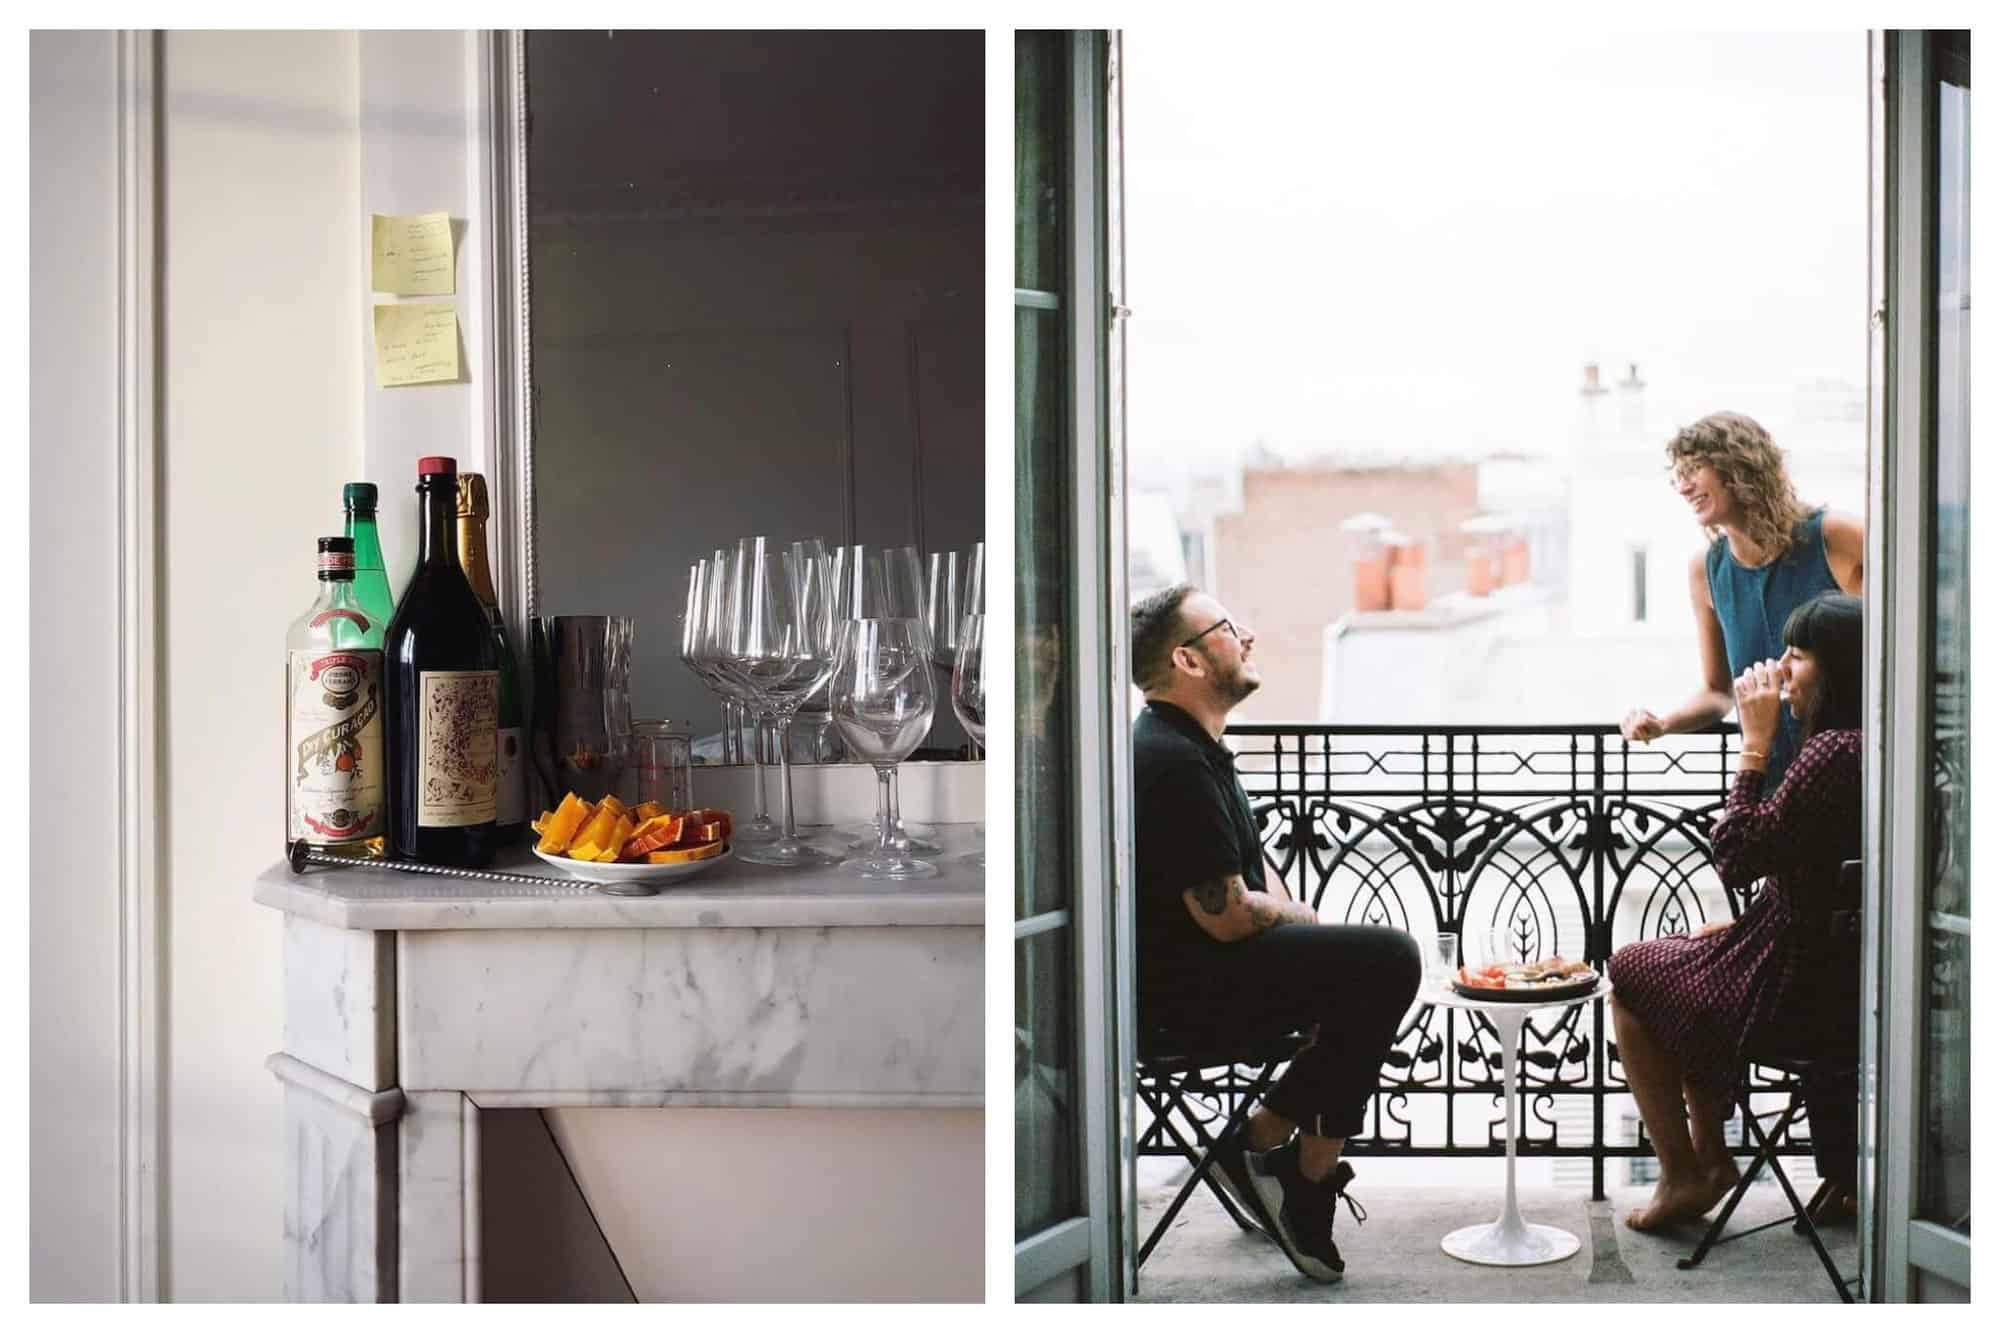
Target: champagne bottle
[
  {"x": 336, "y": 766},
  {"x": 443, "y": 691},
  {"x": 512, "y": 797},
  {"x": 371, "y": 581}
]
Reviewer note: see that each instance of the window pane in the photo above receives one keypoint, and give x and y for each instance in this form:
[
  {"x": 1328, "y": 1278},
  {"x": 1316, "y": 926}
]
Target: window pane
[
  {"x": 1045, "y": 1177},
  {"x": 1043, "y": 474},
  {"x": 1946, "y": 1194},
  {"x": 1041, "y": 90}
]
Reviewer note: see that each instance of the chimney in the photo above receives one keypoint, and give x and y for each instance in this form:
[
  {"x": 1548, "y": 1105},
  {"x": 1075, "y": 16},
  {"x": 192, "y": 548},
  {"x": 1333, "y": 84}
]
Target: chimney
[
  {"x": 1632, "y": 382},
  {"x": 1591, "y": 385}
]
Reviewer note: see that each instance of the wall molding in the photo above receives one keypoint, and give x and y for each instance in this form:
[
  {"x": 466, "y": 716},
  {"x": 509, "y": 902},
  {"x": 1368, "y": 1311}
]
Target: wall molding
[{"x": 141, "y": 970}]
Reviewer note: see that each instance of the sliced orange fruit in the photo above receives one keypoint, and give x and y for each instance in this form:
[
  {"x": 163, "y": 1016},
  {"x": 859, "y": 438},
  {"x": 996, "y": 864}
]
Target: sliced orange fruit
[
  {"x": 681, "y": 855},
  {"x": 655, "y": 834},
  {"x": 560, "y": 828}
]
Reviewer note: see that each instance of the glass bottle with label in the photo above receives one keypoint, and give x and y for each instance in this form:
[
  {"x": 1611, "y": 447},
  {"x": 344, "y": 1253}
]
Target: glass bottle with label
[
  {"x": 371, "y": 581},
  {"x": 442, "y": 676},
  {"x": 512, "y": 799},
  {"x": 336, "y": 765}
]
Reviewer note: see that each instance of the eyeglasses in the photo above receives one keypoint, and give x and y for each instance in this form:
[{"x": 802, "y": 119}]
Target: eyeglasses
[{"x": 1224, "y": 623}]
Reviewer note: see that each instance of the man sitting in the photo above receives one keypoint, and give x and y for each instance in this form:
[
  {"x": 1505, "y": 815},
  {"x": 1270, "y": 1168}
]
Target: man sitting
[{"x": 1223, "y": 959}]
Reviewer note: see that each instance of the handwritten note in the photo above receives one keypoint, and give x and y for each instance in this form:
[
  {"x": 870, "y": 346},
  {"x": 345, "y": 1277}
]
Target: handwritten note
[
  {"x": 413, "y": 255},
  {"x": 416, "y": 343}
]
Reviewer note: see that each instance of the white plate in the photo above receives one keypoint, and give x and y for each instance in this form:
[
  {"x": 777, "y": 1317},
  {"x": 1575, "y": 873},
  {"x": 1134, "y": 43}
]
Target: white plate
[{"x": 644, "y": 877}]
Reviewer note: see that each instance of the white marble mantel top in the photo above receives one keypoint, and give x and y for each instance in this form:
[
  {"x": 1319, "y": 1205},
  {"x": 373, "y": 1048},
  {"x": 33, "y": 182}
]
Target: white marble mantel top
[{"x": 736, "y": 894}]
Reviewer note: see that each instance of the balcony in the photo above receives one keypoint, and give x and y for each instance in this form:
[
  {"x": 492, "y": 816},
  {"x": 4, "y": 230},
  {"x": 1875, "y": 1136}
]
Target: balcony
[{"x": 1569, "y": 840}]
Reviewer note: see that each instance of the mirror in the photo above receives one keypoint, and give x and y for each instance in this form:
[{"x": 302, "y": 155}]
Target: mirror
[{"x": 754, "y": 308}]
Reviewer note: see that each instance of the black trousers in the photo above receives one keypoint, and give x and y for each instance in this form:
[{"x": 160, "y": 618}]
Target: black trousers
[{"x": 1354, "y": 982}]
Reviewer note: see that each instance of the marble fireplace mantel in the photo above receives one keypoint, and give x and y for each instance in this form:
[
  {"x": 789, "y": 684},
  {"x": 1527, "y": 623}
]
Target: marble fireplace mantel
[{"x": 413, "y": 1002}]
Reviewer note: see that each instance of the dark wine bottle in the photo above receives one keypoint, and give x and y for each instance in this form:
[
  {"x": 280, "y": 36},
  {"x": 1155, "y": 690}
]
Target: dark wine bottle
[
  {"x": 513, "y": 791},
  {"x": 442, "y": 674}
]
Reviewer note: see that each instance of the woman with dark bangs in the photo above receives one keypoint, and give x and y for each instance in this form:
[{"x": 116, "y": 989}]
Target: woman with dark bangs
[
  {"x": 1767, "y": 555},
  {"x": 1688, "y": 1008}
]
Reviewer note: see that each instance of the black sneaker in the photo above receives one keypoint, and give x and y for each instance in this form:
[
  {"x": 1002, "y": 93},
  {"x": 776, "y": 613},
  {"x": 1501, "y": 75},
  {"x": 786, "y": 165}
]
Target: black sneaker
[
  {"x": 1232, "y": 1172},
  {"x": 1303, "y": 1210}
]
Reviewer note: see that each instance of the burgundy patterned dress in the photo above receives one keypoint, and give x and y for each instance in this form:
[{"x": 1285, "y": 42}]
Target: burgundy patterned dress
[{"x": 1709, "y": 999}]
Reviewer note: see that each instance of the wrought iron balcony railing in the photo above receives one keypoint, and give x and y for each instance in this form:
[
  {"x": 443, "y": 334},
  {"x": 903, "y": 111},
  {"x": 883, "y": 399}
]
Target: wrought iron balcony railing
[{"x": 1566, "y": 838}]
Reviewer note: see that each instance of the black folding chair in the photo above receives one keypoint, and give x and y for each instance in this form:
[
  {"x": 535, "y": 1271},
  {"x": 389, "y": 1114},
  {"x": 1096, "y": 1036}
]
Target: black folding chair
[
  {"x": 1186, "y": 1092},
  {"x": 1831, "y": 1062}
]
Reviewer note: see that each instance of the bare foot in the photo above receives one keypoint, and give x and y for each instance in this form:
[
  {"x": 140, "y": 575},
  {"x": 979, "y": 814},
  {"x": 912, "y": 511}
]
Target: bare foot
[{"x": 1674, "y": 1202}]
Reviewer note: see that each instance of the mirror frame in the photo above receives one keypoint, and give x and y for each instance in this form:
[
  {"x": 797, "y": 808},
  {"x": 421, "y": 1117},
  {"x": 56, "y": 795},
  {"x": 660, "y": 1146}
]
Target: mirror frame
[{"x": 500, "y": 170}]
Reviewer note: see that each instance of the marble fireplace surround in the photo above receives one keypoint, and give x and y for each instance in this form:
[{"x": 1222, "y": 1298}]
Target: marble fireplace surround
[{"x": 412, "y": 1003}]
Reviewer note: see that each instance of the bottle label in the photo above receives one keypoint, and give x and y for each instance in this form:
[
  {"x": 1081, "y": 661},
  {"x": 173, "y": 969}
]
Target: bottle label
[
  {"x": 337, "y": 764},
  {"x": 340, "y": 613},
  {"x": 458, "y": 769},
  {"x": 511, "y": 800}
]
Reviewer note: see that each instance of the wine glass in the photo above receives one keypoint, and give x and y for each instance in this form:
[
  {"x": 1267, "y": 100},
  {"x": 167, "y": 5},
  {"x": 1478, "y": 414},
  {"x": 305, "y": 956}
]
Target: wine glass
[
  {"x": 883, "y": 699},
  {"x": 876, "y": 585},
  {"x": 736, "y": 697},
  {"x": 968, "y": 690},
  {"x": 972, "y": 602},
  {"x": 780, "y": 647},
  {"x": 944, "y": 586},
  {"x": 691, "y": 640}
]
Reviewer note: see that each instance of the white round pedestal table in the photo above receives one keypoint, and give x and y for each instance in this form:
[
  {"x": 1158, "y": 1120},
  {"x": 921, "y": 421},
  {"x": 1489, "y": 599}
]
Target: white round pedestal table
[{"x": 1509, "y": 1241}]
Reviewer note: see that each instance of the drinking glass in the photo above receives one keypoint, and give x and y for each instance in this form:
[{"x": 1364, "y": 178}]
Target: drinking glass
[
  {"x": 877, "y": 585},
  {"x": 1487, "y": 947},
  {"x": 736, "y": 697},
  {"x": 973, "y": 603},
  {"x": 780, "y": 646},
  {"x": 699, "y": 582},
  {"x": 883, "y": 700},
  {"x": 944, "y": 592},
  {"x": 968, "y": 690},
  {"x": 1444, "y": 957}
]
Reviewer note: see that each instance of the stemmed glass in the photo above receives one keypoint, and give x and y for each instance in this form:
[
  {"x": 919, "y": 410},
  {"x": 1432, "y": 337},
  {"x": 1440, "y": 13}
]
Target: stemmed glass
[
  {"x": 875, "y": 585},
  {"x": 780, "y": 648},
  {"x": 883, "y": 699},
  {"x": 737, "y": 699},
  {"x": 701, "y": 583},
  {"x": 944, "y": 589},
  {"x": 968, "y": 690}
]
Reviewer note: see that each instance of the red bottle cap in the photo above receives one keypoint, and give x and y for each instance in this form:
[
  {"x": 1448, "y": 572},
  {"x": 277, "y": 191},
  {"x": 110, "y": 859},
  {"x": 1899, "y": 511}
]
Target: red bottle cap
[{"x": 437, "y": 465}]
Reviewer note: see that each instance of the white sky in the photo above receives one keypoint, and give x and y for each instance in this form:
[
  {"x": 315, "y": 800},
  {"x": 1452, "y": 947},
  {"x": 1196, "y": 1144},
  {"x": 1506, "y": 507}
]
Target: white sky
[{"x": 1393, "y": 243}]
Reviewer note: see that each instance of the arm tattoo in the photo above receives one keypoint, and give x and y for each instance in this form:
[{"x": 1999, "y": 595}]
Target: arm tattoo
[
  {"x": 1213, "y": 896},
  {"x": 1267, "y": 910}
]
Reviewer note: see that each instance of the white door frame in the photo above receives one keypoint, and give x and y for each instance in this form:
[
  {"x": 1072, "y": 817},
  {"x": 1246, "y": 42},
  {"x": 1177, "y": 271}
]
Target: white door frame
[
  {"x": 1899, "y": 613},
  {"x": 139, "y": 711}
]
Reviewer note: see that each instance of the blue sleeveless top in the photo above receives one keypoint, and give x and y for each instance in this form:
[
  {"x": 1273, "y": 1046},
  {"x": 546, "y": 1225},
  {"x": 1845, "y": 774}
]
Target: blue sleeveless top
[{"x": 1752, "y": 605}]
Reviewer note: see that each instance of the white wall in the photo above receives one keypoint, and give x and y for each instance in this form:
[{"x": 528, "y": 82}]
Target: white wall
[
  {"x": 73, "y": 1027},
  {"x": 262, "y": 424}
]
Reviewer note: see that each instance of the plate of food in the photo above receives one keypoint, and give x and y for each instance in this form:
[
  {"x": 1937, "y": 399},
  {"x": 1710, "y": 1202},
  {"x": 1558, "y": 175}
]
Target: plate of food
[
  {"x": 1538, "y": 982},
  {"x": 630, "y": 849}
]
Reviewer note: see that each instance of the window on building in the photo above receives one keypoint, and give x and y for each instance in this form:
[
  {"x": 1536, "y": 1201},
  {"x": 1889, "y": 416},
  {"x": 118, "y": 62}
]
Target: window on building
[{"x": 1639, "y": 584}]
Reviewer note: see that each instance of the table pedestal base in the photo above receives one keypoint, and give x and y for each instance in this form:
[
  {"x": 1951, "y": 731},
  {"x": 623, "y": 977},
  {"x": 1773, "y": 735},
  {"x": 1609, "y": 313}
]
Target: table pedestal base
[{"x": 1510, "y": 1242}]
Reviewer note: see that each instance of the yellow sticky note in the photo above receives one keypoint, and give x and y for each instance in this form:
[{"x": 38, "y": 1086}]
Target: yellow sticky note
[
  {"x": 413, "y": 255},
  {"x": 416, "y": 343}
]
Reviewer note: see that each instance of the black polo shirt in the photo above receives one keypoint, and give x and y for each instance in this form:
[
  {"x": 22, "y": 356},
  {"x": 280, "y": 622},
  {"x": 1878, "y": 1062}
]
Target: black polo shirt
[{"x": 1193, "y": 825}]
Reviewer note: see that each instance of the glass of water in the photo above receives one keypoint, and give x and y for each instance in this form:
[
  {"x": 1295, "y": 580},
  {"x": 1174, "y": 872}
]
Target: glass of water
[{"x": 1444, "y": 957}]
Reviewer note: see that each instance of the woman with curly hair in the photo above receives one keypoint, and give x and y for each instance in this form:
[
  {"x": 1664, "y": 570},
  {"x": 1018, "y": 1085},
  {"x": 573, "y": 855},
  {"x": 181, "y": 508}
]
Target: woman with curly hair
[
  {"x": 1690, "y": 1010},
  {"x": 1767, "y": 555}
]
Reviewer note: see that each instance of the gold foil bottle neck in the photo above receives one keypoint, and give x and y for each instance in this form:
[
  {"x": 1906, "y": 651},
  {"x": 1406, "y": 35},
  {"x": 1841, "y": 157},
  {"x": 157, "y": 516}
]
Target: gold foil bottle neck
[{"x": 472, "y": 496}]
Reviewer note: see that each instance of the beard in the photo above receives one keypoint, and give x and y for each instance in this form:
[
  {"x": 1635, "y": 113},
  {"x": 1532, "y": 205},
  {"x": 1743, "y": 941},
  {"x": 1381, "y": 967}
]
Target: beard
[{"x": 1238, "y": 685}]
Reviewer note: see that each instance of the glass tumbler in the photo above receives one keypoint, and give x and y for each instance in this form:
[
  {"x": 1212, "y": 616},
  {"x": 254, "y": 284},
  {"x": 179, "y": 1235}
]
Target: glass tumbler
[{"x": 664, "y": 759}]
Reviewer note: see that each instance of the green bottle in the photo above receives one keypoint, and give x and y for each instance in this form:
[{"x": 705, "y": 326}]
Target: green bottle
[
  {"x": 371, "y": 581},
  {"x": 512, "y": 795}
]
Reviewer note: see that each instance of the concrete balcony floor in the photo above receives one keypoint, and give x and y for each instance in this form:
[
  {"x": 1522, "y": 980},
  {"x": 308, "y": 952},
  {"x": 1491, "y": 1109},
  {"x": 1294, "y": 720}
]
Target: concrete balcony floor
[{"x": 1395, "y": 1256}]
